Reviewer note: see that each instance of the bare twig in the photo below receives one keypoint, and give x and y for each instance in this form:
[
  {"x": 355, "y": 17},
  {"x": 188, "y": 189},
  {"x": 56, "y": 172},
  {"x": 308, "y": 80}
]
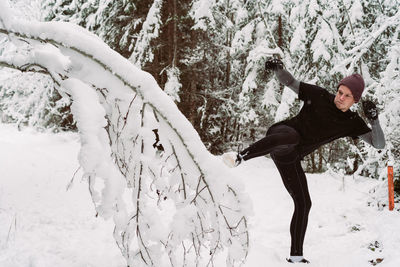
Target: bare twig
[
  {"x": 11, "y": 225},
  {"x": 72, "y": 180}
]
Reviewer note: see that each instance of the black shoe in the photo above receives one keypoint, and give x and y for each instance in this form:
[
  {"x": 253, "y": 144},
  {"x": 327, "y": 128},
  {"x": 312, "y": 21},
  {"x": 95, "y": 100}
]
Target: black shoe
[
  {"x": 238, "y": 160},
  {"x": 303, "y": 260}
]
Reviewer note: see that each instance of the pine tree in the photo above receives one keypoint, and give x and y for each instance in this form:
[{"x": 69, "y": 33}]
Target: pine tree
[
  {"x": 116, "y": 22},
  {"x": 209, "y": 56},
  {"x": 30, "y": 99}
]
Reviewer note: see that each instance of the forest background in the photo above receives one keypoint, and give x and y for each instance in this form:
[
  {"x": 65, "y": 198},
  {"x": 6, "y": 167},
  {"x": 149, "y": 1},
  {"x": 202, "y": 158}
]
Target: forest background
[{"x": 209, "y": 57}]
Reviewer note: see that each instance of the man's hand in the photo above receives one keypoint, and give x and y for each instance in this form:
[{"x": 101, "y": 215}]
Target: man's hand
[
  {"x": 370, "y": 110},
  {"x": 273, "y": 64}
]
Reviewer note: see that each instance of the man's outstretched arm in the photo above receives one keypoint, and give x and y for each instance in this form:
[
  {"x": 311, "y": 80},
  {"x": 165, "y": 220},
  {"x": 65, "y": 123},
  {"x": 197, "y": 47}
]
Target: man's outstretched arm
[
  {"x": 375, "y": 137},
  {"x": 284, "y": 77}
]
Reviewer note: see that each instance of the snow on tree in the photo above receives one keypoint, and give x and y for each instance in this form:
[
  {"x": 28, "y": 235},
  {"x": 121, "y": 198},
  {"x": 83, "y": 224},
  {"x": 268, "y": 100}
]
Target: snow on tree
[
  {"x": 371, "y": 48},
  {"x": 173, "y": 85},
  {"x": 30, "y": 99},
  {"x": 233, "y": 42},
  {"x": 115, "y": 22},
  {"x": 142, "y": 51},
  {"x": 175, "y": 206},
  {"x": 327, "y": 41}
]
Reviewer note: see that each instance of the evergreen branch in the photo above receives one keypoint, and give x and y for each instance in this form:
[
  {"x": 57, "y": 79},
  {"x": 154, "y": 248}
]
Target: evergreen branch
[
  {"x": 361, "y": 49},
  {"x": 29, "y": 67},
  {"x": 352, "y": 31},
  {"x": 266, "y": 25}
]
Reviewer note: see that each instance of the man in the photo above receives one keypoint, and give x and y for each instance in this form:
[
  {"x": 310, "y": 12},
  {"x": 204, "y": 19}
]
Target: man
[{"x": 323, "y": 118}]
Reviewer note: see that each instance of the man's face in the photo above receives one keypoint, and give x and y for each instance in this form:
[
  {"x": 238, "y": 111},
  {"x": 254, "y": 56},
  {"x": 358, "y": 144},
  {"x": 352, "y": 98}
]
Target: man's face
[{"x": 344, "y": 98}]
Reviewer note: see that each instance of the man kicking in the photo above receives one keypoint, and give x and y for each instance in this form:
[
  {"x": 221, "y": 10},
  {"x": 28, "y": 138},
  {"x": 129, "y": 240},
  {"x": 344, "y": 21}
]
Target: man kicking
[{"x": 323, "y": 118}]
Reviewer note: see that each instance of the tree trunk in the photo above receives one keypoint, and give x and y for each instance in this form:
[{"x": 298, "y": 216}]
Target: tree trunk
[
  {"x": 280, "y": 43},
  {"x": 228, "y": 43},
  {"x": 356, "y": 163},
  {"x": 175, "y": 32},
  {"x": 313, "y": 167},
  {"x": 320, "y": 158},
  {"x": 280, "y": 37}
]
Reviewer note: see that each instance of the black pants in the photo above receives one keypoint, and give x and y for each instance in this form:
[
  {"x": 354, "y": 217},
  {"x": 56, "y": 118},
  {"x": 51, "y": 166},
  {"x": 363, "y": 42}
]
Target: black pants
[{"x": 281, "y": 142}]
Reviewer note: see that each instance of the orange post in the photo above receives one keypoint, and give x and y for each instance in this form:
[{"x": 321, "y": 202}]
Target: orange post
[{"x": 390, "y": 187}]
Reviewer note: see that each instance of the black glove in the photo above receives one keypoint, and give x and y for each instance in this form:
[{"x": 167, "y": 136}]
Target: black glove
[
  {"x": 370, "y": 110},
  {"x": 273, "y": 64}
]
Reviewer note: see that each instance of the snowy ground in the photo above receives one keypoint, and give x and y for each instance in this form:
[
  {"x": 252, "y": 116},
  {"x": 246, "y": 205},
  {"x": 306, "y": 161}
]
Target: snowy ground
[{"x": 44, "y": 225}]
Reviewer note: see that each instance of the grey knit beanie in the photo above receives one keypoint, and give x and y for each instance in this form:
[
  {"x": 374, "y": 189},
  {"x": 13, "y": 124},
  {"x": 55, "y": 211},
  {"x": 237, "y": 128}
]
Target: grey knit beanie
[{"x": 356, "y": 85}]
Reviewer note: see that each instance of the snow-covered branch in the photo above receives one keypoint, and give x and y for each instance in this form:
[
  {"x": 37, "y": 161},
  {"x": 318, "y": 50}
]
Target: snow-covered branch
[
  {"x": 377, "y": 29},
  {"x": 171, "y": 207}
]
